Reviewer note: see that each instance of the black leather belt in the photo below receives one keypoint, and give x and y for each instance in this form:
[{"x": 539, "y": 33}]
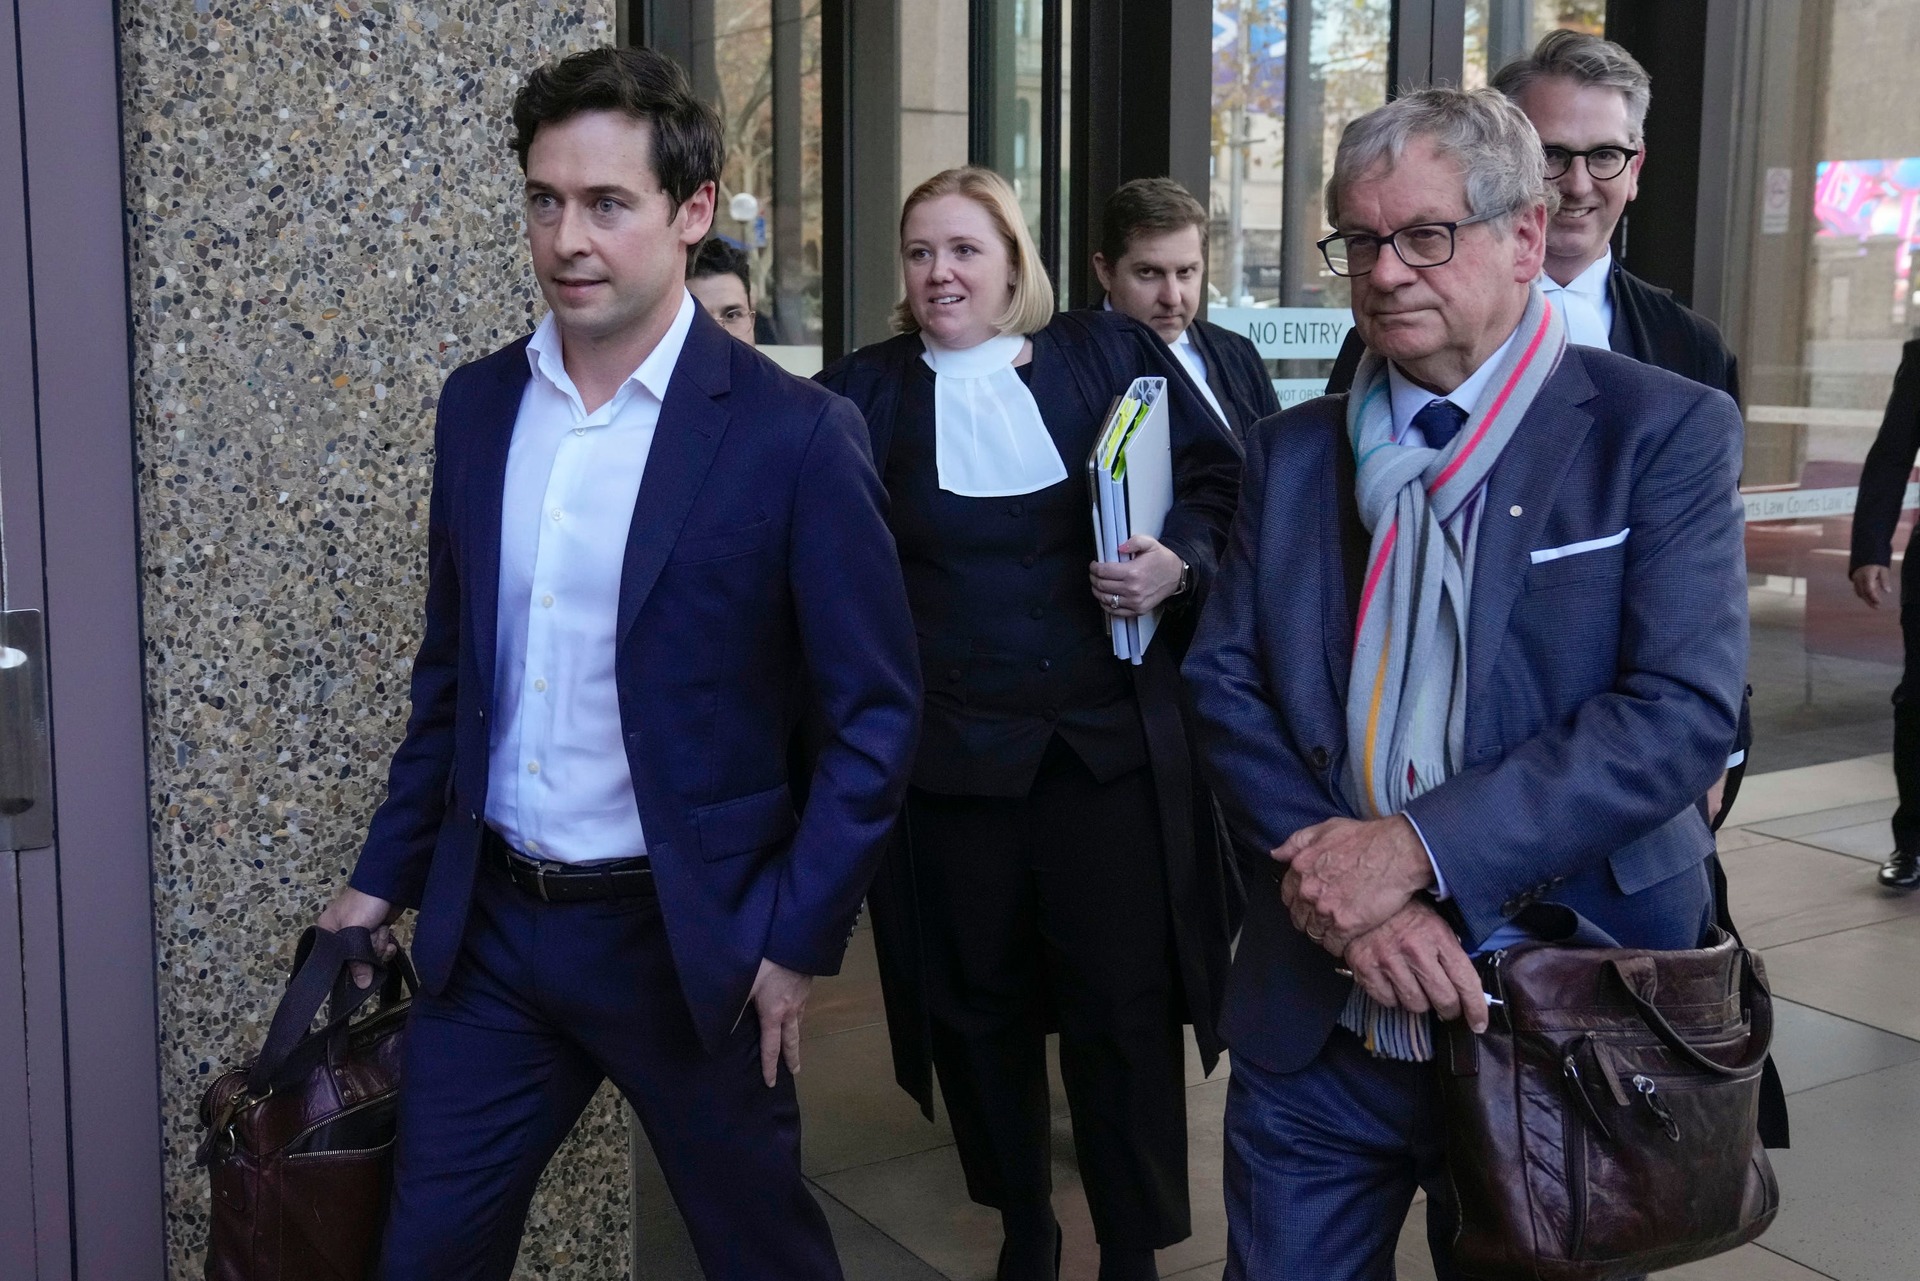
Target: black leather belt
[{"x": 552, "y": 882}]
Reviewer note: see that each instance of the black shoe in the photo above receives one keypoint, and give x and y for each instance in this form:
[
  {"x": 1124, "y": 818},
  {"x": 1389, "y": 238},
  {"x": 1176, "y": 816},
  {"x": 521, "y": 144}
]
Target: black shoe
[
  {"x": 1902, "y": 871},
  {"x": 1122, "y": 1263},
  {"x": 1007, "y": 1269}
]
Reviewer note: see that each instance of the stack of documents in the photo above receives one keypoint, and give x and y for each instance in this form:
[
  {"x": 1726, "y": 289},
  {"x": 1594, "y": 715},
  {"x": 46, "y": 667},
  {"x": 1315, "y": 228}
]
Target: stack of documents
[{"x": 1131, "y": 475}]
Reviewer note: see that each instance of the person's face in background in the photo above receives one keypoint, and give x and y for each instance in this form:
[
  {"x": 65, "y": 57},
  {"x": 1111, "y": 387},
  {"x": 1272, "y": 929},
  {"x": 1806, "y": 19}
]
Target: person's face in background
[
  {"x": 958, "y": 273},
  {"x": 724, "y": 295},
  {"x": 1157, "y": 281},
  {"x": 1578, "y": 117}
]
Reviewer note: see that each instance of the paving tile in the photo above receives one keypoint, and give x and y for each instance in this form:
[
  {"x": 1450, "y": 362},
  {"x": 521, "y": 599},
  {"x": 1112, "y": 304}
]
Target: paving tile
[
  {"x": 1868, "y": 841},
  {"x": 1785, "y": 891},
  {"x": 1799, "y": 825},
  {"x": 1813, "y": 1048},
  {"x": 1847, "y": 1182},
  {"x": 920, "y": 1201},
  {"x": 1209, "y": 1272},
  {"x": 1748, "y": 1263},
  {"x": 850, "y": 998},
  {"x": 1865, "y": 974},
  {"x": 867, "y": 1253},
  {"x": 851, "y": 1111},
  {"x": 1784, "y": 793},
  {"x": 1729, "y": 839}
]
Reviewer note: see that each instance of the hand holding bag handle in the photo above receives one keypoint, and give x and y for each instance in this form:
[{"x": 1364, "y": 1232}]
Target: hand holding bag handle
[
  {"x": 1637, "y": 972},
  {"x": 321, "y": 977}
]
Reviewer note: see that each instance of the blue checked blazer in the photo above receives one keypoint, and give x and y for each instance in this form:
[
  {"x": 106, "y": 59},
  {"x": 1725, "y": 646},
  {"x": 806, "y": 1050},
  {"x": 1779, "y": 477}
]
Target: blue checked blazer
[{"x": 1603, "y": 683}]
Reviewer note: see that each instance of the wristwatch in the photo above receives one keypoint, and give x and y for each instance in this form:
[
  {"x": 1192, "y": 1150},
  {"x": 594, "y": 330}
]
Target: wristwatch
[{"x": 1186, "y": 579}]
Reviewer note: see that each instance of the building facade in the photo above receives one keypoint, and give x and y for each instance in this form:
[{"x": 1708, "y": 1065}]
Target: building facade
[{"x": 243, "y": 241}]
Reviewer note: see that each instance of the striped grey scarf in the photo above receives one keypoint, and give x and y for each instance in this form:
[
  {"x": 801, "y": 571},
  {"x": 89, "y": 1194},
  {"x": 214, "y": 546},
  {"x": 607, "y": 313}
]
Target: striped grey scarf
[{"x": 1406, "y": 694}]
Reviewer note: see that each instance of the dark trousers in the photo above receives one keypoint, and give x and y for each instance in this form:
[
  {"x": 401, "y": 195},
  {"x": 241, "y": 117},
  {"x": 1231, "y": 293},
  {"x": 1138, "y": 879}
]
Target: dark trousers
[
  {"x": 1906, "y": 718},
  {"x": 1321, "y": 1166},
  {"x": 546, "y": 1000},
  {"x": 1053, "y": 908}
]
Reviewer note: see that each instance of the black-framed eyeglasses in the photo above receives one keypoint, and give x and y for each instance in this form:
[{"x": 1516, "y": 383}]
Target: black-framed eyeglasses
[
  {"x": 1425, "y": 244},
  {"x": 1602, "y": 162}
]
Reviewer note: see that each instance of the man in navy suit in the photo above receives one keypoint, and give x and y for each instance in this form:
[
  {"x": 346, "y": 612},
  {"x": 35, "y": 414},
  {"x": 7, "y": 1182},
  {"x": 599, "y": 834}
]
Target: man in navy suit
[
  {"x": 1152, "y": 262},
  {"x": 648, "y": 550},
  {"x": 1463, "y": 697}
]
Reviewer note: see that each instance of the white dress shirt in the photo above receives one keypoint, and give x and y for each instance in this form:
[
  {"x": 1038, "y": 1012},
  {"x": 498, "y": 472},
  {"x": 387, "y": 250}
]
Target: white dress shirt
[
  {"x": 1197, "y": 366},
  {"x": 1586, "y": 303},
  {"x": 558, "y": 784}
]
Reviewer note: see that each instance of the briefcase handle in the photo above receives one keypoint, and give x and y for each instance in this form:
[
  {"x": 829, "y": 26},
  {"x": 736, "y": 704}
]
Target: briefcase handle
[
  {"x": 1637, "y": 972},
  {"x": 321, "y": 977}
]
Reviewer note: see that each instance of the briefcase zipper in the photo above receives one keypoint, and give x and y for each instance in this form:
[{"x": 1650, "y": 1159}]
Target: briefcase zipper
[
  {"x": 372, "y": 1102},
  {"x": 1576, "y": 1183}
]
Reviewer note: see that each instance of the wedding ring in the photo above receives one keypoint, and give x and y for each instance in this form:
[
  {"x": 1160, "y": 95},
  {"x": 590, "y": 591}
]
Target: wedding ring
[
  {"x": 1113, "y": 602},
  {"x": 1318, "y": 938}
]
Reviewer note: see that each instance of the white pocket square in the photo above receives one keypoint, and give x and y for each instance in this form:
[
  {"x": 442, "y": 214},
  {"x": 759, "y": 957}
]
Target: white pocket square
[{"x": 1574, "y": 549}]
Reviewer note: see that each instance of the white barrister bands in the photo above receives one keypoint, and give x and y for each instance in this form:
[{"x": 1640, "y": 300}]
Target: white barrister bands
[{"x": 989, "y": 438}]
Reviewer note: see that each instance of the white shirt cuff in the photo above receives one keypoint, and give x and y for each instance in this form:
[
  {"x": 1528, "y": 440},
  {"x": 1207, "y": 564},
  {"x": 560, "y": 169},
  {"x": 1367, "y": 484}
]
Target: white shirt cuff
[{"x": 1439, "y": 879}]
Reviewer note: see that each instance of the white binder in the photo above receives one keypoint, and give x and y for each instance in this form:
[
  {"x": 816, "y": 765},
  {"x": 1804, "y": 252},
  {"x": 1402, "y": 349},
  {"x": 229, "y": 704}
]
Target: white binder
[{"x": 1130, "y": 476}]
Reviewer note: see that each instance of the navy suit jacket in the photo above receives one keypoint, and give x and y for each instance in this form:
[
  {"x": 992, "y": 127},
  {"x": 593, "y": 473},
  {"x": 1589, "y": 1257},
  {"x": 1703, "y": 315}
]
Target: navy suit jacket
[
  {"x": 1602, "y": 687},
  {"x": 758, "y": 558}
]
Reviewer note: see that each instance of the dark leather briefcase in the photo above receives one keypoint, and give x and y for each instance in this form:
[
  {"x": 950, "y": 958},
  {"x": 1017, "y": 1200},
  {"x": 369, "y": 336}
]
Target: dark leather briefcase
[
  {"x": 1605, "y": 1124},
  {"x": 299, "y": 1140}
]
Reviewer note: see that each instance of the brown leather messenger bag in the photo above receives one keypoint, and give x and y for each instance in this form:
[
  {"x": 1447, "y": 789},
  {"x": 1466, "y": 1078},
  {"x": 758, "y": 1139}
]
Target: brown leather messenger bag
[
  {"x": 299, "y": 1140},
  {"x": 1604, "y": 1126}
]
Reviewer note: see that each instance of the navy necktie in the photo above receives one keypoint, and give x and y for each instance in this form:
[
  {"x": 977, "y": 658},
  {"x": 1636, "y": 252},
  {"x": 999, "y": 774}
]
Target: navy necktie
[{"x": 1440, "y": 422}]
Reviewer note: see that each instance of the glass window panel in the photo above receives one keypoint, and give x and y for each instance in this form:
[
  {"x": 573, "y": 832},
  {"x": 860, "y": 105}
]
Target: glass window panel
[
  {"x": 1267, "y": 208},
  {"x": 766, "y": 69},
  {"x": 1498, "y": 31},
  {"x": 1819, "y": 298}
]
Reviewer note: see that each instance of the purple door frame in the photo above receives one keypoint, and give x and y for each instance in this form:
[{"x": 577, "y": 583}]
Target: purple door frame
[{"x": 79, "y": 1021}]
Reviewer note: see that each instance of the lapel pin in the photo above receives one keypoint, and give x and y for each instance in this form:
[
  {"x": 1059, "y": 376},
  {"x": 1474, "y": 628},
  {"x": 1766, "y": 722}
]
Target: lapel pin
[{"x": 1514, "y": 510}]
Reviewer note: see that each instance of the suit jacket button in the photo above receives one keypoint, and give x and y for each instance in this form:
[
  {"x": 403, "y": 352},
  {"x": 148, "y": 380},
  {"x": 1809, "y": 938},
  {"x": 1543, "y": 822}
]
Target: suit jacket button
[
  {"x": 1018, "y": 509},
  {"x": 1052, "y": 714},
  {"x": 953, "y": 673},
  {"x": 482, "y": 713},
  {"x": 1036, "y": 612},
  {"x": 1046, "y": 664},
  {"x": 1320, "y": 758},
  {"x": 1026, "y": 562},
  {"x": 473, "y": 816}
]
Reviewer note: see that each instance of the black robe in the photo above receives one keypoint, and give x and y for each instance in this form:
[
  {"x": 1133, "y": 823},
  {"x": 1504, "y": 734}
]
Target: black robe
[
  {"x": 1236, "y": 375},
  {"x": 1099, "y": 353}
]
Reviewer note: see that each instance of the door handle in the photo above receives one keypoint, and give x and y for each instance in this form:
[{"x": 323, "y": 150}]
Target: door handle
[{"x": 26, "y": 756}]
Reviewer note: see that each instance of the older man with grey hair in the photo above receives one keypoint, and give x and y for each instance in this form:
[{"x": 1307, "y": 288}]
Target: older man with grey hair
[{"x": 1476, "y": 647}]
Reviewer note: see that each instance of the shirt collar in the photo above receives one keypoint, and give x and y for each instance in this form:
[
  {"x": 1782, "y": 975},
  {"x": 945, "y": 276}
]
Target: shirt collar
[
  {"x": 1408, "y": 398},
  {"x": 653, "y": 373},
  {"x": 1591, "y": 283}
]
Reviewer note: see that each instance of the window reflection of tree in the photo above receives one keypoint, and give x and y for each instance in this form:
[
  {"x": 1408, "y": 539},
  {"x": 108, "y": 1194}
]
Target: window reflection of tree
[{"x": 743, "y": 72}]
